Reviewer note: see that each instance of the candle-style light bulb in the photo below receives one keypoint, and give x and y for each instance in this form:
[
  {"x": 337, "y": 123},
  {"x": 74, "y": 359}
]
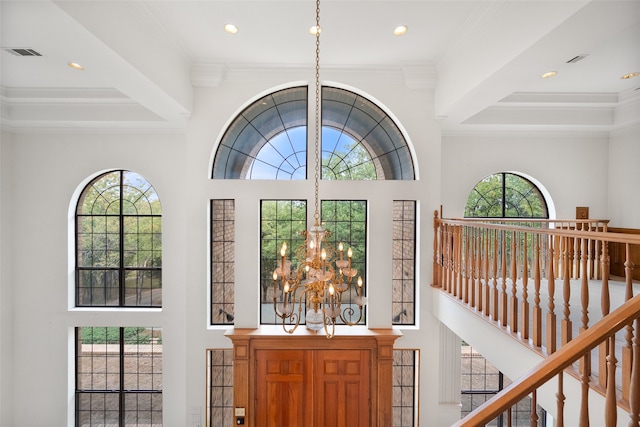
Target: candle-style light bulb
[
  {"x": 283, "y": 249},
  {"x": 349, "y": 253}
]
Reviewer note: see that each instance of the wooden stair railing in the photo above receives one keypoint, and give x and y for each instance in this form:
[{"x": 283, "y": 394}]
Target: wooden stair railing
[
  {"x": 532, "y": 279},
  {"x": 557, "y": 363}
]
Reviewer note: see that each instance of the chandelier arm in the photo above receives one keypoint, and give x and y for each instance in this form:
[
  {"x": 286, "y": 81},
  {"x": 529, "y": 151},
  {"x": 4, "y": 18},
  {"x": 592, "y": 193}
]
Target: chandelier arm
[
  {"x": 349, "y": 312},
  {"x": 332, "y": 325},
  {"x": 294, "y": 319}
]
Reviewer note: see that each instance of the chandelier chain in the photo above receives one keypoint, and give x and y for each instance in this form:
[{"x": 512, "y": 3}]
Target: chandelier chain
[{"x": 317, "y": 114}]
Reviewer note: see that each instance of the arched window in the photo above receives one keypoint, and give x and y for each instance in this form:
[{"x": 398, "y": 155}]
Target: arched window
[
  {"x": 118, "y": 243},
  {"x": 268, "y": 140},
  {"x": 505, "y": 195}
]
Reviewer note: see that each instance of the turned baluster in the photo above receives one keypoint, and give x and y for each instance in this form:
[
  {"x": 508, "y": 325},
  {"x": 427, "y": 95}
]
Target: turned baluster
[
  {"x": 537, "y": 311},
  {"x": 585, "y": 365},
  {"x": 480, "y": 264},
  {"x": 503, "y": 293},
  {"x": 605, "y": 306},
  {"x": 474, "y": 270},
  {"x": 634, "y": 387},
  {"x": 487, "y": 274},
  {"x": 524, "y": 304},
  {"x": 560, "y": 398},
  {"x": 566, "y": 333},
  {"x": 450, "y": 259},
  {"x": 551, "y": 315},
  {"x": 584, "y": 401},
  {"x": 514, "y": 284},
  {"x": 611, "y": 406},
  {"x": 494, "y": 296},
  {"x": 437, "y": 237},
  {"x": 457, "y": 231},
  {"x": 627, "y": 352},
  {"x": 468, "y": 267}
]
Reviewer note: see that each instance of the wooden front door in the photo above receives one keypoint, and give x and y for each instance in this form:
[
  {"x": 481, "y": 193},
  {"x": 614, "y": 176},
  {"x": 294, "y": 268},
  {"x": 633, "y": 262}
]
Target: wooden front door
[{"x": 322, "y": 388}]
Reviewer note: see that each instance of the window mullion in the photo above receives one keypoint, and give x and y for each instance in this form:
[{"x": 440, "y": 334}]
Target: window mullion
[{"x": 121, "y": 379}]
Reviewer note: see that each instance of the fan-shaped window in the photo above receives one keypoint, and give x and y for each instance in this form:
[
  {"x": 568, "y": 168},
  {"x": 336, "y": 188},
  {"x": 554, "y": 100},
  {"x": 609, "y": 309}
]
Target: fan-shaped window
[
  {"x": 268, "y": 140},
  {"x": 118, "y": 243},
  {"x": 364, "y": 139},
  {"x": 506, "y": 195}
]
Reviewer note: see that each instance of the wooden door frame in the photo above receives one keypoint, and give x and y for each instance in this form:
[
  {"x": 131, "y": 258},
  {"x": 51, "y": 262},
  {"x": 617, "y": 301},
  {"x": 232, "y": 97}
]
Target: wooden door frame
[{"x": 378, "y": 341}]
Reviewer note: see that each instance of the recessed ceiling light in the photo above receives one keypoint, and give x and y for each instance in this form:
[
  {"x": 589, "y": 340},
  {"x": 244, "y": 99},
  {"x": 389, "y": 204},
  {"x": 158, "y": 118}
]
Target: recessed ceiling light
[
  {"x": 231, "y": 29},
  {"x": 630, "y": 75},
  {"x": 75, "y": 66},
  {"x": 549, "y": 74},
  {"x": 400, "y": 30},
  {"x": 314, "y": 29}
]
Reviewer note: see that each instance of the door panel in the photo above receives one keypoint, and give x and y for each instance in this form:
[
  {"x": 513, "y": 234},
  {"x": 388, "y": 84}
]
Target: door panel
[
  {"x": 342, "y": 379},
  {"x": 281, "y": 390}
]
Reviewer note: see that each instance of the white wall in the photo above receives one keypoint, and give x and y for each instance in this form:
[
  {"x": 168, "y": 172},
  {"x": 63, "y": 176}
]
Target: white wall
[
  {"x": 46, "y": 170},
  {"x": 6, "y": 308},
  {"x": 624, "y": 178},
  {"x": 573, "y": 168}
]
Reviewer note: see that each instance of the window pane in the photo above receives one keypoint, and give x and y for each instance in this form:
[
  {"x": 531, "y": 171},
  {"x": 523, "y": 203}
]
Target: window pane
[
  {"x": 118, "y": 228},
  {"x": 403, "y": 262},
  {"x": 505, "y": 195},
  {"x": 220, "y": 383},
  {"x": 222, "y": 261},
  {"x": 118, "y": 366},
  {"x": 280, "y": 221},
  {"x": 346, "y": 220}
]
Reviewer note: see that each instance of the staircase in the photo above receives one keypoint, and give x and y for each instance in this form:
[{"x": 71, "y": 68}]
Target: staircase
[{"x": 542, "y": 290}]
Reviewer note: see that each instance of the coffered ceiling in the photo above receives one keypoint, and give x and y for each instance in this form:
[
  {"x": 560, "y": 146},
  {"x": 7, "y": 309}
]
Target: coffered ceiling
[{"x": 483, "y": 58}]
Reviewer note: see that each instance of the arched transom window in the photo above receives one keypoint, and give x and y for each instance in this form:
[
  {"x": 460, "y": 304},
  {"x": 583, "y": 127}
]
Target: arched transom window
[{"x": 268, "y": 140}]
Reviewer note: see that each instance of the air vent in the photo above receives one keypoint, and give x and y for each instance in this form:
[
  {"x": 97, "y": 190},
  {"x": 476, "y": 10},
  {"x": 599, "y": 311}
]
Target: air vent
[
  {"x": 576, "y": 59},
  {"x": 23, "y": 52}
]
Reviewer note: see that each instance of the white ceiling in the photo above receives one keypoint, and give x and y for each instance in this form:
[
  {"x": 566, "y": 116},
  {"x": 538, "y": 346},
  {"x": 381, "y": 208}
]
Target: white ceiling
[{"x": 483, "y": 58}]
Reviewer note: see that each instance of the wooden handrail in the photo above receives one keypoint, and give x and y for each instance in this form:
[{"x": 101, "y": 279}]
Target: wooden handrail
[
  {"x": 606, "y": 236},
  {"x": 554, "y": 364}
]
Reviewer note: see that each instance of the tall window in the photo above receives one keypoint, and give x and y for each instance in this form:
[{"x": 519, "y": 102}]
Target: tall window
[
  {"x": 119, "y": 243},
  {"x": 219, "y": 387},
  {"x": 405, "y": 387},
  {"x": 347, "y": 222},
  {"x": 222, "y": 261},
  {"x": 505, "y": 195},
  {"x": 280, "y": 221},
  {"x": 118, "y": 377},
  {"x": 404, "y": 262}
]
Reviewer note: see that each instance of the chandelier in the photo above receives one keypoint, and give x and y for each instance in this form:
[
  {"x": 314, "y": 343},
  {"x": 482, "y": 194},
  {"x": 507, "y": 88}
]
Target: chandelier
[{"x": 323, "y": 273}]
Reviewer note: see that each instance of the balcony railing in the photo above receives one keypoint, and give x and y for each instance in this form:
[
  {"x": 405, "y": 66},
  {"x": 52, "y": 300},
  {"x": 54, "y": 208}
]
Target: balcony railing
[{"x": 547, "y": 284}]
